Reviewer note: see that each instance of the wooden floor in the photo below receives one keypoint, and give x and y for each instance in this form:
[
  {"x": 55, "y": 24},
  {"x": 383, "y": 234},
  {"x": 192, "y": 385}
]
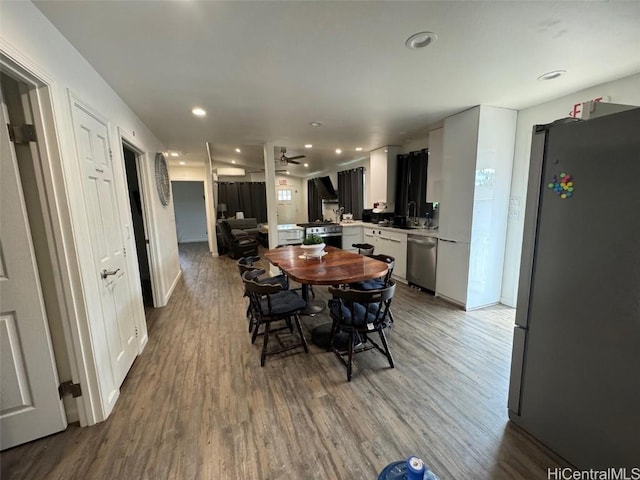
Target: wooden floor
[{"x": 196, "y": 403}]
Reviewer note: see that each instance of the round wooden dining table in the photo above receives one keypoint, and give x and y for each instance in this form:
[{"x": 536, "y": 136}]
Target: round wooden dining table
[{"x": 335, "y": 267}]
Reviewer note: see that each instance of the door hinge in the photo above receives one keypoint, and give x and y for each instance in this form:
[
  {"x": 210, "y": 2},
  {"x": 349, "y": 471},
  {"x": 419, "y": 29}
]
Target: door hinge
[
  {"x": 136, "y": 331},
  {"x": 21, "y": 133},
  {"x": 124, "y": 251},
  {"x": 110, "y": 155},
  {"x": 69, "y": 387}
]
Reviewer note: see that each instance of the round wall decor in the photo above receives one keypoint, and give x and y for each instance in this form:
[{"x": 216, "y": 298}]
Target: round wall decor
[{"x": 162, "y": 179}]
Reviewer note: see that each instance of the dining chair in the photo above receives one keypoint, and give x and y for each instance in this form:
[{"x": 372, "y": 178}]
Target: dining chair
[
  {"x": 364, "y": 248},
  {"x": 248, "y": 263},
  {"x": 356, "y": 315},
  {"x": 247, "y": 266},
  {"x": 271, "y": 304},
  {"x": 377, "y": 283}
]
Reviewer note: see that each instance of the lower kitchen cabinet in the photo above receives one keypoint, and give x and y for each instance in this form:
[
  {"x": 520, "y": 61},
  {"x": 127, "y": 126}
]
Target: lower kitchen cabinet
[
  {"x": 453, "y": 271},
  {"x": 390, "y": 243},
  {"x": 351, "y": 235}
]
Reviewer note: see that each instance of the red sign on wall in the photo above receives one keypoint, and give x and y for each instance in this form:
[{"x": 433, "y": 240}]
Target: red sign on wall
[{"x": 576, "y": 111}]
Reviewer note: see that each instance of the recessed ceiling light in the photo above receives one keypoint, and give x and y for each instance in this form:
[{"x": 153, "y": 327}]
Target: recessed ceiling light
[
  {"x": 237, "y": 150},
  {"x": 421, "y": 40},
  {"x": 287, "y": 172},
  {"x": 552, "y": 75},
  {"x": 315, "y": 124},
  {"x": 174, "y": 154},
  {"x": 358, "y": 149},
  {"x": 233, "y": 161},
  {"x": 182, "y": 163},
  {"x": 338, "y": 151},
  {"x": 308, "y": 145},
  {"x": 199, "y": 112},
  {"x": 306, "y": 164}
]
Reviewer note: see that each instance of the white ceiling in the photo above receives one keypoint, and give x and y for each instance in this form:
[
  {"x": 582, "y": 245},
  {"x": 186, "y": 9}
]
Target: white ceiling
[{"x": 264, "y": 70}]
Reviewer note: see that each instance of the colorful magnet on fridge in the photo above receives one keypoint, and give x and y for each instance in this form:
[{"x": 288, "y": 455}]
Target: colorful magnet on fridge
[{"x": 563, "y": 188}]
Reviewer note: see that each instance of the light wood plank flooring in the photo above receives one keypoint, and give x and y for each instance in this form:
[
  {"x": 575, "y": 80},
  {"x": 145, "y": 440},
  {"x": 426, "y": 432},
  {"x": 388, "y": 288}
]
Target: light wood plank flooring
[{"x": 197, "y": 405}]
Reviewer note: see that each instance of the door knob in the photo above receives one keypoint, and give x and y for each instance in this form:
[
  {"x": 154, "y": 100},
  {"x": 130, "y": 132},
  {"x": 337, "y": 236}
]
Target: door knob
[{"x": 105, "y": 273}]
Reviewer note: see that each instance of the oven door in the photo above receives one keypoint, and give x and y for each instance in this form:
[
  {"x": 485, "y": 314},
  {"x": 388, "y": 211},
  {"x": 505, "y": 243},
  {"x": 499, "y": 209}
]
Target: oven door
[{"x": 333, "y": 240}]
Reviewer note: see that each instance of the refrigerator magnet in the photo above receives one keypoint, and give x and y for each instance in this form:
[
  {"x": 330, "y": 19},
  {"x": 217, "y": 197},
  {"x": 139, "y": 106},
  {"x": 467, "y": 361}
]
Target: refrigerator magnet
[{"x": 562, "y": 185}]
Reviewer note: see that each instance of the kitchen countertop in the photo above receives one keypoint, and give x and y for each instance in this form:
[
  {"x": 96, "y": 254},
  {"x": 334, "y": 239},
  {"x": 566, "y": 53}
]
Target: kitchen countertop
[{"x": 423, "y": 232}]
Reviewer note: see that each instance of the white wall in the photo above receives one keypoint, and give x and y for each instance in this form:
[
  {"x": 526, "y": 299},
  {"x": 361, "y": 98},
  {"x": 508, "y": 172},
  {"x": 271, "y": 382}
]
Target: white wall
[
  {"x": 189, "y": 205},
  {"x": 30, "y": 41},
  {"x": 623, "y": 91}
]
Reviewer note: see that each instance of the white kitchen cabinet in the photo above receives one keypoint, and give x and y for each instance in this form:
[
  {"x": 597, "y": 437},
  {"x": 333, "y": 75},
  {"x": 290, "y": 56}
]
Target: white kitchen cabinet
[
  {"x": 390, "y": 243},
  {"x": 476, "y": 180},
  {"x": 351, "y": 234},
  {"x": 452, "y": 271},
  {"x": 382, "y": 175},
  {"x": 434, "y": 167}
]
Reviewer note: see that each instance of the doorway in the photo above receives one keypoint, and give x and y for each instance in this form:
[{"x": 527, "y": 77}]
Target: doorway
[
  {"x": 190, "y": 211},
  {"x": 32, "y": 338},
  {"x": 131, "y": 160}
]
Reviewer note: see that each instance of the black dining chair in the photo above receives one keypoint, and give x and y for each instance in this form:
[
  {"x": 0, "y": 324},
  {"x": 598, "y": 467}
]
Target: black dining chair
[
  {"x": 270, "y": 304},
  {"x": 364, "y": 248},
  {"x": 357, "y": 315},
  {"x": 377, "y": 283},
  {"x": 247, "y": 264}
]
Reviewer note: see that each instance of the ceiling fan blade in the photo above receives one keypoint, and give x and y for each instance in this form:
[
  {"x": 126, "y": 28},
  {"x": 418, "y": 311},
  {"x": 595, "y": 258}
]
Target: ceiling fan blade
[
  {"x": 296, "y": 157},
  {"x": 295, "y": 162}
]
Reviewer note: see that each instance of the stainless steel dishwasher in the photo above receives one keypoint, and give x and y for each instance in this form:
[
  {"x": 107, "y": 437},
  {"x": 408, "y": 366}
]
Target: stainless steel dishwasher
[{"x": 421, "y": 261}]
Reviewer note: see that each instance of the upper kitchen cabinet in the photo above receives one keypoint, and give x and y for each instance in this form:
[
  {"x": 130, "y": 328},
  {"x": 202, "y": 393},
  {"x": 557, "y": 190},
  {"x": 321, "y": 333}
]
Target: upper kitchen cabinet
[
  {"x": 476, "y": 180},
  {"x": 382, "y": 175},
  {"x": 434, "y": 167}
]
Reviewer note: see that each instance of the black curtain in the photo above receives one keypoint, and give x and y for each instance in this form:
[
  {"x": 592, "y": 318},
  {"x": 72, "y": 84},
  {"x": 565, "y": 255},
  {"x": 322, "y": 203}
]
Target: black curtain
[
  {"x": 402, "y": 184},
  {"x": 351, "y": 191},
  {"x": 411, "y": 182},
  {"x": 247, "y": 197},
  {"x": 314, "y": 202}
]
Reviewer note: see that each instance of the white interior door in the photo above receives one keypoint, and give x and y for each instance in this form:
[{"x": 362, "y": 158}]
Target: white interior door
[
  {"x": 30, "y": 406},
  {"x": 286, "y": 208},
  {"x": 116, "y": 322}
]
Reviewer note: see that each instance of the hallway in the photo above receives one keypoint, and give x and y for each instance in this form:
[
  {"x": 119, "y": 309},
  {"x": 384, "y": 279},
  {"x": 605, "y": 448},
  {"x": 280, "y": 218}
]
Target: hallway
[{"x": 197, "y": 405}]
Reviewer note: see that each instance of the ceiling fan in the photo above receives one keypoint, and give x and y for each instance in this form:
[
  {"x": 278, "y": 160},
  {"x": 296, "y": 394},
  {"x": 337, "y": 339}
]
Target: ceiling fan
[{"x": 284, "y": 160}]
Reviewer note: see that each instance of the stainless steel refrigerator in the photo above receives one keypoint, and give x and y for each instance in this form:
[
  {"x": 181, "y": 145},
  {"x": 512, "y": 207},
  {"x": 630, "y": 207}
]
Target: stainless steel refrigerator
[{"x": 575, "y": 373}]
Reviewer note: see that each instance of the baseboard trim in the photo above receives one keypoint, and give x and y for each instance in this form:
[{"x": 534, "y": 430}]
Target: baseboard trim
[{"x": 173, "y": 287}]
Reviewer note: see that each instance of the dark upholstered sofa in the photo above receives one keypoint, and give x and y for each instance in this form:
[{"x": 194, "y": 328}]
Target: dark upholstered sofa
[{"x": 244, "y": 225}]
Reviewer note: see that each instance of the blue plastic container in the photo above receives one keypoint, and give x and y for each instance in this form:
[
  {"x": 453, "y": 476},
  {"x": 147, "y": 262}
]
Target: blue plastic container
[{"x": 410, "y": 469}]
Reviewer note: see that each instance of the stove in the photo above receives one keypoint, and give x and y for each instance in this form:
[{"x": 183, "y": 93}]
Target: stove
[{"x": 330, "y": 232}]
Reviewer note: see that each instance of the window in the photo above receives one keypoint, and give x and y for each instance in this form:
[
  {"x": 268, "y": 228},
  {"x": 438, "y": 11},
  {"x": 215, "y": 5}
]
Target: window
[{"x": 284, "y": 195}]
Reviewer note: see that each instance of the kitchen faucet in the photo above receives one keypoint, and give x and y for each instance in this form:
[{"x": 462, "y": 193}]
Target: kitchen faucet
[{"x": 409, "y": 211}]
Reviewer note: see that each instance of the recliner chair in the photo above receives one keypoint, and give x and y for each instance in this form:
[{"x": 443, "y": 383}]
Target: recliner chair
[{"x": 238, "y": 246}]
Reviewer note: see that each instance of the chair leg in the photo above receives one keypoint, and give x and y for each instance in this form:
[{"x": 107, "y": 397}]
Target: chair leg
[
  {"x": 350, "y": 356},
  {"x": 391, "y": 316},
  {"x": 386, "y": 347},
  {"x": 304, "y": 340},
  {"x": 256, "y": 327},
  {"x": 334, "y": 330},
  {"x": 263, "y": 357}
]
